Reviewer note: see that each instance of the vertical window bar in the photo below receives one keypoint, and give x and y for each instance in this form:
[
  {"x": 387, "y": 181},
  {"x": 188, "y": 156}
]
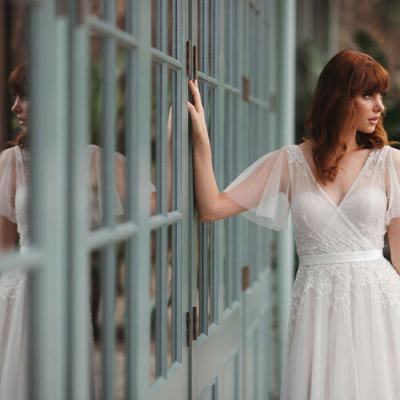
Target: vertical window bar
[
  {"x": 79, "y": 322},
  {"x": 138, "y": 175},
  {"x": 162, "y": 234},
  {"x": 205, "y": 34},
  {"x": 109, "y": 259}
]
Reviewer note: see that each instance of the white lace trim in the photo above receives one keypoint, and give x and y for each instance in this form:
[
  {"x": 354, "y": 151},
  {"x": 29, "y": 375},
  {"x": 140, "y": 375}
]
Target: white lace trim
[{"x": 339, "y": 284}]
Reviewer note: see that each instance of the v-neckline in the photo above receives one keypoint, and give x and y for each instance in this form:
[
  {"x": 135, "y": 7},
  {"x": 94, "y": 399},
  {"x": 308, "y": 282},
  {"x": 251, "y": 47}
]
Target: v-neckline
[{"x": 349, "y": 190}]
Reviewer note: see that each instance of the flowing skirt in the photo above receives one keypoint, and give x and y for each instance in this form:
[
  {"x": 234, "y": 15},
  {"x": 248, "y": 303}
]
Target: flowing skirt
[{"x": 344, "y": 333}]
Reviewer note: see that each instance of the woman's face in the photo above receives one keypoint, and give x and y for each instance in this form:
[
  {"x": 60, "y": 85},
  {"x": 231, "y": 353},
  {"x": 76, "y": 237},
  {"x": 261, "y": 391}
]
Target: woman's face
[
  {"x": 369, "y": 107},
  {"x": 20, "y": 108}
]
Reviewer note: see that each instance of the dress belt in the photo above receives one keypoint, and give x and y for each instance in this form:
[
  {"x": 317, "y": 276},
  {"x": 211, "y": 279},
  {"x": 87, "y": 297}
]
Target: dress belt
[{"x": 350, "y": 256}]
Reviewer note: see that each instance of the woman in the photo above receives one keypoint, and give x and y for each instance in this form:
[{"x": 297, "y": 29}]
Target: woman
[{"x": 342, "y": 187}]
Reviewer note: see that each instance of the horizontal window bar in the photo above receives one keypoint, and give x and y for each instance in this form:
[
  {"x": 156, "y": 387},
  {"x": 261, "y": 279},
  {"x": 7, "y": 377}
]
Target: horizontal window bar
[
  {"x": 25, "y": 261},
  {"x": 106, "y": 29},
  {"x": 107, "y": 235},
  {"x": 258, "y": 102},
  {"x": 171, "y": 61},
  {"x": 232, "y": 89},
  {"x": 160, "y": 220},
  {"x": 208, "y": 79}
]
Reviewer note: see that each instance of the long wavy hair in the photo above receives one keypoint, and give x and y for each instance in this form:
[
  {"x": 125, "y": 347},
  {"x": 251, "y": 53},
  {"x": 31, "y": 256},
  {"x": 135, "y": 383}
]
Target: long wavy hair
[
  {"x": 347, "y": 74},
  {"x": 18, "y": 85}
]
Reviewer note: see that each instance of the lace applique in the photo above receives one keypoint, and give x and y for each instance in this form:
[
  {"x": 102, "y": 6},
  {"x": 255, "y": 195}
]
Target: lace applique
[
  {"x": 339, "y": 284},
  {"x": 11, "y": 284},
  {"x": 376, "y": 159},
  {"x": 294, "y": 157},
  {"x": 370, "y": 227}
]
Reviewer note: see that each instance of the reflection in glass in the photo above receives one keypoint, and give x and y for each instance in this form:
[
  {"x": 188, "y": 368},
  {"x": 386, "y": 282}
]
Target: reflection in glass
[
  {"x": 95, "y": 148},
  {"x": 97, "y": 317},
  {"x": 155, "y": 123},
  {"x": 210, "y": 274},
  {"x": 121, "y": 9},
  {"x": 96, "y": 8},
  {"x": 231, "y": 40},
  {"x": 15, "y": 235},
  {"x": 172, "y": 27},
  {"x": 211, "y": 36},
  {"x": 171, "y": 136},
  {"x": 97, "y": 273},
  {"x": 120, "y": 322},
  {"x": 153, "y": 305},
  {"x": 171, "y": 308},
  {"x": 155, "y": 24}
]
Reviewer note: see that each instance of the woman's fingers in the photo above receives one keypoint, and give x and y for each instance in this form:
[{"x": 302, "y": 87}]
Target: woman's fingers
[{"x": 196, "y": 96}]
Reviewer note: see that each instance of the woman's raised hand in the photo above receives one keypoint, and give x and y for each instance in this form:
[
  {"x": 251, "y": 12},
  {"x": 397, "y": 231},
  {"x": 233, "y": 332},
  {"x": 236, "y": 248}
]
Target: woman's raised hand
[{"x": 196, "y": 110}]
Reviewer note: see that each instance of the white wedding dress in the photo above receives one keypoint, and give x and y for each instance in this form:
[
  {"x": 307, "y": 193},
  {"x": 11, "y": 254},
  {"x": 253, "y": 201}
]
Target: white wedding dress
[
  {"x": 14, "y": 306},
  {"x": 344, "y": 327}
]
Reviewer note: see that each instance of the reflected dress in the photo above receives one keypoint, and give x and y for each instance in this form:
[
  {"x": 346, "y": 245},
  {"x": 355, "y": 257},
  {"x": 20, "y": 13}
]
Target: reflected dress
[
  {"x": 343, "y": 338},
  {"x": 14, "y": 300}
]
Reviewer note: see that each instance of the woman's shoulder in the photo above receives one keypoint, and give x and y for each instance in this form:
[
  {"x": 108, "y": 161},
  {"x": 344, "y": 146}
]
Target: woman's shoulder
[
  {"x": 9, "y": 154},
  {"x": 391, "y": 154}
]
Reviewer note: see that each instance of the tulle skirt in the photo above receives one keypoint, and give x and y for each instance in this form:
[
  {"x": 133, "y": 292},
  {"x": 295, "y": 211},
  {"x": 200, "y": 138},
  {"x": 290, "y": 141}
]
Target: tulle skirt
[{"x": 344, "y": 333}]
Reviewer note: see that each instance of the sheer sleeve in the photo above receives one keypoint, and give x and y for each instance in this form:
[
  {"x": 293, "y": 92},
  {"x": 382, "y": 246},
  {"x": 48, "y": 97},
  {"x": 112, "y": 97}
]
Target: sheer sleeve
[
  {"x": 393, "y": 184},
  {"x": 263, "y": 189},
  {"x": 7, "y": 184}
]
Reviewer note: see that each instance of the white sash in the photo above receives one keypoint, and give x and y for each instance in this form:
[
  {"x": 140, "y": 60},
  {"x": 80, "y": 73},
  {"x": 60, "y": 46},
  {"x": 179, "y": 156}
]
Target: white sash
[{"x": 350, "y": 256}]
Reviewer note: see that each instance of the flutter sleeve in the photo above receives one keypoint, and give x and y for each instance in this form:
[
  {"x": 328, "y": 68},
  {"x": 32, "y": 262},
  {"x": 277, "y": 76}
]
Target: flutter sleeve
[
  {"x": 8, "y": 184},
  {"x": 263, "y": 189},
  {"x": 393, "y": 185}
]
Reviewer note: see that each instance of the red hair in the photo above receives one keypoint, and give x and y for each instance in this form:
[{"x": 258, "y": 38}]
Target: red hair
[
  {"x": 347, "y": 74},
  {"x": 18, "y": 84}
]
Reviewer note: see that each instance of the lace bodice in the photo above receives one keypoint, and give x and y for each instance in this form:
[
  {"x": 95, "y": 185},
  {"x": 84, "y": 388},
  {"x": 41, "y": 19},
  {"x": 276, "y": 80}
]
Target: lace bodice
[
  {"x": 357, "y": 223},
  {"x": 281, "y": 182}
]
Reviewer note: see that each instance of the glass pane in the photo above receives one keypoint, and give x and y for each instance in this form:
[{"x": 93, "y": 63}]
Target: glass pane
[
  {"x": 200, "y": 33},
  {"x": 211, "y": 33},
  {"x": 121, "y": 14},
  {"x": 171, "y": 141},
  {"x": 153, "y": 306},
  {"x": 155, "y": 127},
  {"x": 173, "y": 27},
  {"x": 156, "y": 24},
  {"x": 15, "y": 156},
  {"x": 210, "y": 273},
  {"x": 96, "y": 308},
  {"x": 101, "y": 283},
  {"x": 120, "y": 322},
  {"x": 122, "y": 107},
  {"x": 96, "y": 8},
  {"x": 95, "y": 118},
  {"x": 171, "y": 309},
  {"x": 95, "y": 150}
]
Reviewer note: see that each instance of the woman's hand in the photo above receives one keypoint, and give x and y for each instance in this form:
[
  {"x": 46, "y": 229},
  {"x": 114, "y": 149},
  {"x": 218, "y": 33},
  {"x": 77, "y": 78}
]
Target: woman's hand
[{"x": 196, "y": 110}]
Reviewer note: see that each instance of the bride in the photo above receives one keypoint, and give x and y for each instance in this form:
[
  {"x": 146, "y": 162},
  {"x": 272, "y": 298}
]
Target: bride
[{"x": 342, "y": 188}]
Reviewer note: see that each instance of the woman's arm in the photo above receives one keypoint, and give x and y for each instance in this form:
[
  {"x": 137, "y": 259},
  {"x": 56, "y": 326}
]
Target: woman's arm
[
  {"x": 8, "y": 234},
  {"x": 210, "y": 202},
  {"x": 393, "y": 233}
]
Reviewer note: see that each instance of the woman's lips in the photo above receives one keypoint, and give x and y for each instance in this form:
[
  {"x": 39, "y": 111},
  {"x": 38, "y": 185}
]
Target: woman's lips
[{"x": 373, "y": 120}]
